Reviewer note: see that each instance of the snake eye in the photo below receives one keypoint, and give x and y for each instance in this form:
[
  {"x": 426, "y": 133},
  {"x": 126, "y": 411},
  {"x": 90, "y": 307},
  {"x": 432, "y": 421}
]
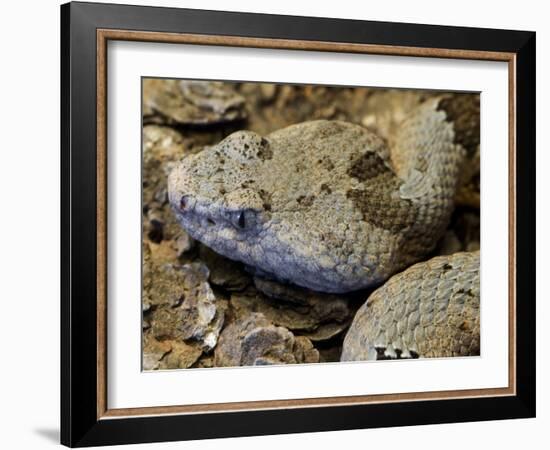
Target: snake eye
[
  {"x": 245, "y": 220},
  {"x": 241, "y": 220}
]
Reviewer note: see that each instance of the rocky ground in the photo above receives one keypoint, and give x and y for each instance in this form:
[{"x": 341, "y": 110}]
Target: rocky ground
[{"x": 203, "y": 310}]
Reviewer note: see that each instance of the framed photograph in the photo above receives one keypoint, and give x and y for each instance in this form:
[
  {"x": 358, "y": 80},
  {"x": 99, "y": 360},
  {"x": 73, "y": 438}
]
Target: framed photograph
[{"x": 276, "y": 224}]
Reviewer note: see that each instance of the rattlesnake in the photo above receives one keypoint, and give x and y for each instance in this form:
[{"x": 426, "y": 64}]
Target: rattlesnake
[{"x": 328, "y": 205}]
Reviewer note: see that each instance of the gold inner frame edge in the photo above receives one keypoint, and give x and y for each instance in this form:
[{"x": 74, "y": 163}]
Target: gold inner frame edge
[{"x": 103, "y": 36}]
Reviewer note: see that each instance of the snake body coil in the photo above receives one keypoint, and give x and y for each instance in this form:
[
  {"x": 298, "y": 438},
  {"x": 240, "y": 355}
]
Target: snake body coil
[{"x": 429, "y": 310}]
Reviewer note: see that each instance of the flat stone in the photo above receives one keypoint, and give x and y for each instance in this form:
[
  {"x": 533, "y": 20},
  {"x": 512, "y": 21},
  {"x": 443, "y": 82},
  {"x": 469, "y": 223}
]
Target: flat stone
[
  {"x": 185, "y": 305},
  {"x": 151, "y": 360},
  {"x": 163, "y": 252},
  {"x": 326, "y": 331},
  {"x": 254, "y": 340},
  {"x": 225, "y": 273},
  {"x": 206, "y": 361},
  {"x": 168, "y": 354},
  {"x": 203, "y": 315},
  {"x": 304, "y": 352},
  {"x": 316, "y": 320},
  {"x": 167, "y": 245},
  {"x": 194, "y": 102},
  {"x": 161, "y": 147},
  {"x": 149, "y": 88},
  {"x": 183, "y": 243},
  {"x": 162, "y": 144},
  {"x": 180, "y": 356},
  {"x": 319, "y": 301},
  {"x": 153, "y": 352},
  {"x": 317, "y": 315}
]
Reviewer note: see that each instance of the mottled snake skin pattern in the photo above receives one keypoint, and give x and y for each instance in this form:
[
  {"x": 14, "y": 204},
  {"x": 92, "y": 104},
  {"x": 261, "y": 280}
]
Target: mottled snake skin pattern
[
  {"x": 322, "y": 204},
  {"x": 429, "y": 310}
]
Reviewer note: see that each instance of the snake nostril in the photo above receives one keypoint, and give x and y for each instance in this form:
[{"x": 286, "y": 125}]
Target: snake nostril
[
  {"x": 210, "y": 221},
  {"x": 183, "y": 202}
]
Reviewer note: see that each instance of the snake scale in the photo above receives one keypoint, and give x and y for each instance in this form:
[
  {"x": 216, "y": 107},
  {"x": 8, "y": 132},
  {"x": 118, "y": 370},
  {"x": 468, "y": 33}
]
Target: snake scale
[{"x": 331, "y": 206}]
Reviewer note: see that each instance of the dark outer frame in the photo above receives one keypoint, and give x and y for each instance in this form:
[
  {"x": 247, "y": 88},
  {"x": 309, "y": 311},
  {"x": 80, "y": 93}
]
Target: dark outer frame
[{"x": 85, "y": 27}]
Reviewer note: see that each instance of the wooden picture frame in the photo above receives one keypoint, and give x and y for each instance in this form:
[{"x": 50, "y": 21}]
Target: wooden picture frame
[{"x": 86, "y": 418}]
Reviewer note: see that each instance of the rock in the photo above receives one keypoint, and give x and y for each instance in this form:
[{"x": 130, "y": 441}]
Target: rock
[
  {"x": 170, "y": 227},
  {"x": 224, "y": 273},
  {"x": 203, "y": 315},
  {"x": 194, "y": 102},
  {"x": 325, "y": 331},
  {"x": 162, "y": 253},
  {"x": 304, "y": 352},
  {"x": 168, "y": 354},
  {"x": 171, "y": 250},
  {"x": 268, "y": 345},
  {"x": 162, "y": 284},
  {"x": 185, "y": 305},
  {"x": 183, "y": 243},
  {"x": 153, "y": 352},
  {"x": 301, "y": 296},
  {"x": 254, "y": 340},
  {"x": 204, "y": 362},
  {"x": 268, "y": 91},
  {"x": 145, "y": 322},
  {"x": 162, "y": 144},
  {"x": 161, "y": 147},
  {"x": 315, "y": 315},
  {"x": 180, "y": 356},
  {"x": 150, "y": 86}
]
